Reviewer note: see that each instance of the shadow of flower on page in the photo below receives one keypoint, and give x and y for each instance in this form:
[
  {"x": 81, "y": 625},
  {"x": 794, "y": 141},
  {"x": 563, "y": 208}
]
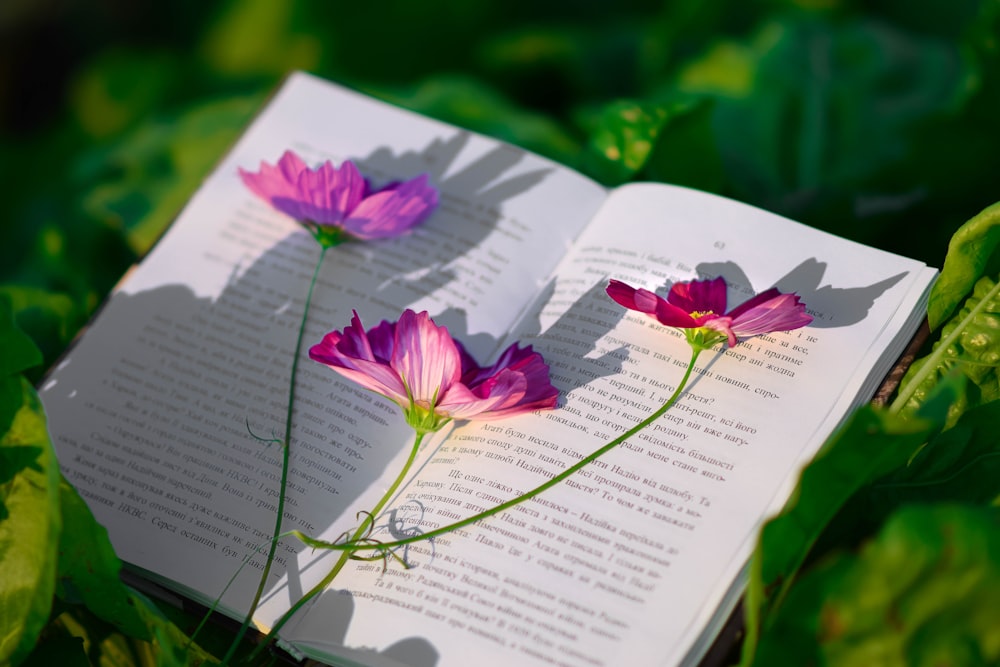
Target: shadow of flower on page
[
  {"x": 569, "y": 342},
  {"x": 830, "y": 306},
  {"x": 424, "y": 268},
  {"x": 326, "y": 628}
]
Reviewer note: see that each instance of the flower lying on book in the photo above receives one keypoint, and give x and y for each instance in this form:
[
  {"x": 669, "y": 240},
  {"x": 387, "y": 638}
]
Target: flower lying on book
[
  {"x": 338, "y": 205},
  {"x": 699, "y": 308},
  {"x": 335, "y": 205},
  {"x": 417, "y": 364}
]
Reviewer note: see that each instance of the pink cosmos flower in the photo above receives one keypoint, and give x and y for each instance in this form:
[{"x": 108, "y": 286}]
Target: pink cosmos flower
[
  {"x": 701, "y": 305},
  {"x": 417, "y": 364},
  {"x": 338, "y": 204}
]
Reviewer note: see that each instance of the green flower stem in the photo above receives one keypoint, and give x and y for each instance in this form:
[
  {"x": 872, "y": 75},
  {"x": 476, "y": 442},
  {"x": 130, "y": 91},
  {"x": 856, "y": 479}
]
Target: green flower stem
[
  {"x": 931, "y": 363},
  {"x": 352, "y": 546},
  {"x": 360, "y": 533},
  {"x": 284, "y": 462}
]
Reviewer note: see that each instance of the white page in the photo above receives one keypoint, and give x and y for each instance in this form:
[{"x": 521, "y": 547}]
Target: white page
[
  {"x": 150, "y": 412},
  {"x": 627, "y": 562}
]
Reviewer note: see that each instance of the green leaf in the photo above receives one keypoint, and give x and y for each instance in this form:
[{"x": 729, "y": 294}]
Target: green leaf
[
  {"x": 89, "y": 569},
  {"x": 170, "y": 646},
  {"x": 811, "y": 113},
  {"x": 871, "y": 444},
  {"x": 29, "y": 528},
  {"x": 17, "y": 351},
  {"x": 971, "y": 254},
  {"x": 923, "y": 592},
  {"x": 969, "y": 345},
  {"x": 622, "y": 139},
  {"x": 961, "y": 464},
  {"x": 685, "y": 152},
  {"x": 51, "y": 319}
]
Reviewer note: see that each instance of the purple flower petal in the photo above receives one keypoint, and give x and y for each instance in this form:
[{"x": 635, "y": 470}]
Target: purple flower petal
[
  {"x": 340, "y": 197},
  {"x": 421, "y": 367},
  {"x": 425, "y": 357},
  {"x": 392, "y": 211},
  {"x": 644, "y": 301},
  {"x": 699, "y": 296},
  {"x": 350, "y": 354},
  {"x": 702, "y": 303},
  {"x": 783, "y": 312}
]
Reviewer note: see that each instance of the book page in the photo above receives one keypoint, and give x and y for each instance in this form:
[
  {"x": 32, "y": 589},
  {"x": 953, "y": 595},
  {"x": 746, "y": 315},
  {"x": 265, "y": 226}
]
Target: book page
[
  {"x": 631, "y": 559},
  {"x": 168, "y": 413}
]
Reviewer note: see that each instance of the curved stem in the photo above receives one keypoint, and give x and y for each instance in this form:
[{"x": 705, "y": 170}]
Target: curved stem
[
  {"x": 285, "y": 446},
  {"x": 351, "y": 548},
  {"x": 346, "y": 555}
]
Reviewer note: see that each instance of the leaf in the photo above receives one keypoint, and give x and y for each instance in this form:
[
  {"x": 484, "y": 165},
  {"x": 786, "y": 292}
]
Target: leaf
[
  {"x": 29, "y": 529},
  {"x": 810, "y": 113},
  {"x": 51, "y": 319},
  {"x": 871, "y": 444},
  {"x": 88, "y": 570},
  {"x": 923, "y": 592},
  {"x": 971, "y": 254},
  {"x": 622, "y": 139},
  {"x": 970, "y": 345},
  {"x": 17, "y": 351},
  {"x": 961, "y": 464},
  {"x": 685, "y": 152}
]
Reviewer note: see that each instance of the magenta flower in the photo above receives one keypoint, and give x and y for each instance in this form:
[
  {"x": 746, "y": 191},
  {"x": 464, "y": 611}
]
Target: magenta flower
[
  {"x": 337, "y": 205},
  {"x": 699, "y": 307},
  {"x": 417, "y": 364}
]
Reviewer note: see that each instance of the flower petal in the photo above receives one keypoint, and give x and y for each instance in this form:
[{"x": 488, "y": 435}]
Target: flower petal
[
  {"x": 393, "y": 210},
  {"x": 699, "y": 296},
  {"x": 352, "y": 354},
  {"x": 523, "y": 386},
  {"x": 327, "y": 195},
  {"x": 277, "y": 183},
  {"x": 644, "y": 301},
  {"x": 426, "y": 357},
  {"x": 778, "y": 312}
]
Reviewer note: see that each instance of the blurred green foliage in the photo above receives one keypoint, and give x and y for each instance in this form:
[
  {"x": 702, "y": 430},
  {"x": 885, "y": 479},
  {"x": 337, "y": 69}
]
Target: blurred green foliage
[
  {"x": 871, "y": 120},
  {"x": 875, "y": 121}
]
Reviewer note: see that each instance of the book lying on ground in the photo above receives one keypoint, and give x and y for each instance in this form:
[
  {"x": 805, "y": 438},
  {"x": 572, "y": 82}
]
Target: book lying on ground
[{"x": 161, "y": 410}]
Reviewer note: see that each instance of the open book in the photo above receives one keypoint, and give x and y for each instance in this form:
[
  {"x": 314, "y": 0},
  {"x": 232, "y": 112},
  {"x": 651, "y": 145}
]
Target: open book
[{"x": 158, "y": 411}]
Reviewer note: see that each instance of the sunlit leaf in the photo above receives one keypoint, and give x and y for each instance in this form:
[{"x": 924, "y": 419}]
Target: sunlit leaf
[
  {"x": 869, "y": 446},
  {"x": 29, "y": 528},
  {"x": 623, "y": 137},
  {"x": 923, "y": 592},
  {"x": 971, "y": 254},
  {"x": 89, "y": 569},
  {"x": 970, "y": 345}
]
